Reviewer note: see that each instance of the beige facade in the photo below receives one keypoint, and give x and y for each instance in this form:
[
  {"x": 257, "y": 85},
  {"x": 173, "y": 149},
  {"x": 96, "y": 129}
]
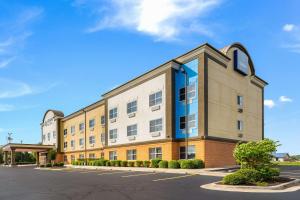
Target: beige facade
[{"x": 229, "y": 109}]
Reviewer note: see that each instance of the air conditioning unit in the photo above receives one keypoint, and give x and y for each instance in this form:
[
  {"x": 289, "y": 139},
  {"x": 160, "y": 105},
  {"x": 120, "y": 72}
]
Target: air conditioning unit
[
  {"x": 81, "y": 147},
  {"x": 132, "y": 137},
  {"x": 92, "y": 145},
  {"x": 240, "y": 135},
  {"x": 113, "y": 120},
  {"x": 130, "y": 115},
  {"x": 113, "y": 140},
  {"x": 91, "y": 129},
  {"x": 155, "y": 134},
  {"x": 154, "y": 108},
  {"x": 81, "y": 131},
  {"x": 240, "y": 110}
]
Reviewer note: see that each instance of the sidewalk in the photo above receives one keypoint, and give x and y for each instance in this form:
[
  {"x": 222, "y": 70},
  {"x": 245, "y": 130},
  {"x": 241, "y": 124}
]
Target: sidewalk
[{"x": 206, "y": 171}]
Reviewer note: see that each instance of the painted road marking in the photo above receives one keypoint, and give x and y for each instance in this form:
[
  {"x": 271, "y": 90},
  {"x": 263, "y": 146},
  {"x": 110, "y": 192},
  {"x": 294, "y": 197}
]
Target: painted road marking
[
  {"x": 290, "y": 173},
  {"x": 176, "y": 177},
  {"x": 86, "y": 172},
  {"x": 139, "y": 175},
  {"x": 113, "y": 173}
]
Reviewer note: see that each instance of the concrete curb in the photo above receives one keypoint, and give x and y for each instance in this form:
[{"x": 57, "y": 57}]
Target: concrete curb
[
  {"x": 284, "y": 187},
  {"x": 205, "y": 172}
]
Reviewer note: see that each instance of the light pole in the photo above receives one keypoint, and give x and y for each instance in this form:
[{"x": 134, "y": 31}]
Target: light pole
[
  {"x": 186, "y": 111},
  {"x": 9, "y": 138}
]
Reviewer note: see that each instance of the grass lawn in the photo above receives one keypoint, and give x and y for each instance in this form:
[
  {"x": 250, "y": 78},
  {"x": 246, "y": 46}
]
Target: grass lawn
[{"x": 288, "y": 163}]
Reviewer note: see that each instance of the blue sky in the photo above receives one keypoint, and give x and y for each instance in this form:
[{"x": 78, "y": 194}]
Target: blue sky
[{"x": 64, "y": 55}]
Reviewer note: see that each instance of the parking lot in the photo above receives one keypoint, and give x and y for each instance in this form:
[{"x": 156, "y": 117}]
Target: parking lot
[
  {"x": 290, "y": 171},
  {"x": 28, "y": 183}
]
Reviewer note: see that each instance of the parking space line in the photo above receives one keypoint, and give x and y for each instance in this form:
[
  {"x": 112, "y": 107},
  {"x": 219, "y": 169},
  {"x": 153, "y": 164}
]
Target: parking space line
[
  {"x": 93, "y": 171},
  {"x": 176, "y": 177},
  {"x": 290, "y": 173},
  {"x": 138, "y": 175},
  {"x": 114, "y": 173}
]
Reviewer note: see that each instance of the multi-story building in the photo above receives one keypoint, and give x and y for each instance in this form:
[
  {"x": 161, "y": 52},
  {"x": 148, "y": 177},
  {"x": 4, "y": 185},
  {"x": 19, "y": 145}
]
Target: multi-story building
[{"x": 198, "y": 105}]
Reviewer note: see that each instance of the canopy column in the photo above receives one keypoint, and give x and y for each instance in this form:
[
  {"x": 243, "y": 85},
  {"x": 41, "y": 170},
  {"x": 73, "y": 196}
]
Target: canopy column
[{"x": 12, "y": 157}]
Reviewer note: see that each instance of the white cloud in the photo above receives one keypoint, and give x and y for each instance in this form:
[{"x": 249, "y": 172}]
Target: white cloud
[
  {"x": 269, "y": 103},
  {"x": 5, "y": 62},
  {"x": 163, "y": 19},
  {"x": 6, "y": 108},
  {"x": 12, "y": 89},
  {"x": 15, "y": 32},
  {"x": 288, "y": 27},
  {"x": 285, "y": 99}
]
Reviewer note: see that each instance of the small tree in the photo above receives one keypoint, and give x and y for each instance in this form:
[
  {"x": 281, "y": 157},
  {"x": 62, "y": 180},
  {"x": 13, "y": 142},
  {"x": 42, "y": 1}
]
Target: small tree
[
  {"x": 255, "y": 155},
  {"x": 52, "y": 155}
]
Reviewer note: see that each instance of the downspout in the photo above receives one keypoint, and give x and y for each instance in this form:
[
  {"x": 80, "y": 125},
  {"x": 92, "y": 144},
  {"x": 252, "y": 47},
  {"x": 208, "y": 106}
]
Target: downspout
[{"x": 85, "y": 124}]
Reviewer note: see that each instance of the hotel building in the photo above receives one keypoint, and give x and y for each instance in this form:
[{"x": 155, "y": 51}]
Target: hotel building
[{"x": 206, "y": 99}]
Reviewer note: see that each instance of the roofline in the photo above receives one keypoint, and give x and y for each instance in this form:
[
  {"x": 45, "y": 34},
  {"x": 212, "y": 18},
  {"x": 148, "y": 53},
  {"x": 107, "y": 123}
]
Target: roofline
[
  {"x": 18, "y": 144},
  {"x": 265, "y": 82},
  {"x": 78, "y": 112},
  {"x": 165, "y": 63}
]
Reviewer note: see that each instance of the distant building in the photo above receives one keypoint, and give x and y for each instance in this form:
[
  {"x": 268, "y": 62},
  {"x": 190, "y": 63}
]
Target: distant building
[{"x": 281, "y": 157}]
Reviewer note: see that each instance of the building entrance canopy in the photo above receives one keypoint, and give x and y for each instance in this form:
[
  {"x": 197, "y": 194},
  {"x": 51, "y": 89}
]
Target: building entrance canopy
[{"x": 13, "y": 147}]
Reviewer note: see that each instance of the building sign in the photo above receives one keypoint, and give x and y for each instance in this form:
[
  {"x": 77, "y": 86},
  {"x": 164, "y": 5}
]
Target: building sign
[{"x": 241, "y": 63}]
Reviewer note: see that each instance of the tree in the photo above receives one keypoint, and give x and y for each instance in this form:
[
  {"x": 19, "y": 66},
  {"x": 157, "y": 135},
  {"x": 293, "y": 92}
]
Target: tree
[
  {"x": 52, "y": 155},
  {"x": 1, "y": 156},
  {"x": 255, "y": 155}
]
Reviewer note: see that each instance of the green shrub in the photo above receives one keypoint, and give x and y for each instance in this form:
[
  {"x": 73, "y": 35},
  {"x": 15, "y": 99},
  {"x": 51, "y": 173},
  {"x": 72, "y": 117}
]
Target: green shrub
[
  {"x": 174, "y": 164},
  {"x": 48, "y": 165},
  {"x": 60, "y": 164},
  {"x": 268, "y": 174},
  {"x": 187, "y": 164},
  {"x": 262, "y": 184},
  {"x": 163, "y": 164},
  {"x": 146, "y": 163},
  {"x": 55, "y": 165},
  {"x": 112, "y": 163},
  {"x": 91, "y": 162},
  {"x": 108, "y": 163},
  {"x": 124, "y": 163},
  {"x": 198, "y": 164},
  {"x": 130, "y": 164},
  {"x": 139, "y": 163},
  {"x": 154, "y": 163},
  {"x": 42, "y": 165},
  {"x": 251, "y": 175},
  {"x": 234, "y": 179},
  {"x": 117, "y": 163}
]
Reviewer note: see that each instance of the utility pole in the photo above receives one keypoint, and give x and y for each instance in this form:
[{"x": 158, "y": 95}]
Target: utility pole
[{"x": 9, "y": 138}]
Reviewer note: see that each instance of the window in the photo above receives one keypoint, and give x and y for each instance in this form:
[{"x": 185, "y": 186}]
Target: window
[
  {"x": 44, "y": 138},
  {"x": 132, "y": 130},
  {"x": 81, "y": 142},
  {"x": 155, "y": 98},
  {"x": 113, "y": 113},
  {"x": 48, "y": 136},
  {"x": 81, "y": 127},
  {"x": 113, "y": 134},
  {"x": 102, "y": 154},
  {"x": 72, "y": 143},
  {"x": 155, "y": 125},
  {"x": 155, "y": 153},
  {"x": 240, "y": 125},
  {"x": 65, "y": 145},
  {"x": 81, "y": 156},
  {"x": 92, "y": 156},
  {"x": 72, "y": 158},
  {"x": 182, "y": 94},
  {"x": 240, "y": 100},
  {"x": 191, "y": 121},
  {"x": 65, "y": 132},
  {"x": 131, "y": 107},
  {"x": 92, "y": 123},
  {"x": 113, "y": 155},
  {"x": 54, "y": 134},
  {"x": 131, "y": 154},
  {"x": 65, "y": 158},
  {"x": 191, "y": 152},
  {"x": 72, "y": 130},
  {"x": 191, "y": 91},
  {"x": 102, "y": 137},
  {"x": 92, "y": 139},
  {"x": 102, "y": 120}
]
